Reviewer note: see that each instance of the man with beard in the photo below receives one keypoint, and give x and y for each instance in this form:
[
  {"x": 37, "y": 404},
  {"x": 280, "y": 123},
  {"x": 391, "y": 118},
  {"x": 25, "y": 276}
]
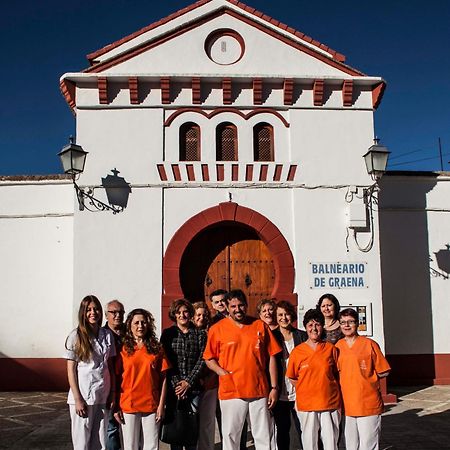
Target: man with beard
[{"x": 239, "y": 348}]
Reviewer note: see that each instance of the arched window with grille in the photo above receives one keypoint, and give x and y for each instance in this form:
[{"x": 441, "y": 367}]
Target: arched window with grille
[
  {"x": 226, "y": 142},
  {"x": 263, "y": 142},
  {"x": 190, "y": 142}
]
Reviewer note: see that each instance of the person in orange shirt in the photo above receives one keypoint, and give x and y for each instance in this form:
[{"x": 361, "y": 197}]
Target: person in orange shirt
[
  {"x": 239, "y": 348},
  {"x": 141, "y": 368},
  {"x": 361, "y": 365},
  {"x": 313, "y": 369}
]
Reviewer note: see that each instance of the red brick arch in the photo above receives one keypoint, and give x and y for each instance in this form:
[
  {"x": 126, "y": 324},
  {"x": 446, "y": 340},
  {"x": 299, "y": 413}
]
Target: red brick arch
[{"x": 228, "y": 212}]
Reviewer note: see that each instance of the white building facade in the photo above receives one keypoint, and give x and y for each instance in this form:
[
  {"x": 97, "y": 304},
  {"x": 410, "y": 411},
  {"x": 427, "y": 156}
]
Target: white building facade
[{"x": 241, "y": 141}]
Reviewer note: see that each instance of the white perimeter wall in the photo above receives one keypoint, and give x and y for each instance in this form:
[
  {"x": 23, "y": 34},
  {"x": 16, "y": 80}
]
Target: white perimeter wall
[
  {"x": 36, "y": 266},
  {"x": 415, "y": 225}
]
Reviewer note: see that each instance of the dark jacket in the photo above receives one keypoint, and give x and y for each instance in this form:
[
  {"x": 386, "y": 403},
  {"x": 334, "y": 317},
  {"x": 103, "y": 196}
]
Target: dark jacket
[{"x": 299, "y": 337}]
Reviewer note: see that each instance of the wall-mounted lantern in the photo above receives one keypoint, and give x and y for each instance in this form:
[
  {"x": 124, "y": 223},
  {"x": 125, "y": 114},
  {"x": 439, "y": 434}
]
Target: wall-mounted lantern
[
  {"x": 376, "y": 159},
  {"x": 73, "y": 159}
]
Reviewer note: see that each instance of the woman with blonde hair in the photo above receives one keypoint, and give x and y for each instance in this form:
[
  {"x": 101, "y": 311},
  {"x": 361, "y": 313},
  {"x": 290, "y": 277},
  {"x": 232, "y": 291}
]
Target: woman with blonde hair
[
  {"x": 141, "y": 369},
  {"x": 89, "y": 349}
]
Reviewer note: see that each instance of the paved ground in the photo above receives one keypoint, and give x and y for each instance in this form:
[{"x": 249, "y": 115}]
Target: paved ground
[{"x": 40, "y": 421}]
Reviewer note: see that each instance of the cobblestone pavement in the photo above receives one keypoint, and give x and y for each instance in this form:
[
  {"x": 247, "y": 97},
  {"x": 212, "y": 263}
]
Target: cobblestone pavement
[{"x": 40, "y": 420}]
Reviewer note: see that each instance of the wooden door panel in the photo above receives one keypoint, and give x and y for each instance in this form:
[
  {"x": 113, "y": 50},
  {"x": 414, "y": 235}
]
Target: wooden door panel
[
  {"x": 227, "y": 257},
  {"x": 218, "y": 274},
  {"x": 251, "y": 269}
]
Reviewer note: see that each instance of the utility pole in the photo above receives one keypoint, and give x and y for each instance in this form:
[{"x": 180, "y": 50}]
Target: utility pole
[{"x": 440, "y": 154}]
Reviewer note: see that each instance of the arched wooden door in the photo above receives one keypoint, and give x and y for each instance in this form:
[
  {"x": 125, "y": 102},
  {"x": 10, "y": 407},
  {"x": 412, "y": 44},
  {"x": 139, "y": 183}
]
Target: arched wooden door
[{"x": 227, "y": 256}]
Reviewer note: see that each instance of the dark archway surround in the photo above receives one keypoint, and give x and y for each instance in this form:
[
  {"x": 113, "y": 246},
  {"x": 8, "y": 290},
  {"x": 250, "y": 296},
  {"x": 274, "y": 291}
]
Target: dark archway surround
[{"x": 228, "y": 212}]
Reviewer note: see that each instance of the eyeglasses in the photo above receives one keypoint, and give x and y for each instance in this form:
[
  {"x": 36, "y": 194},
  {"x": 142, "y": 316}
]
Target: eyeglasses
[
  {"x": 117, "y": 312},
  {"x": 347, "y": 322}
]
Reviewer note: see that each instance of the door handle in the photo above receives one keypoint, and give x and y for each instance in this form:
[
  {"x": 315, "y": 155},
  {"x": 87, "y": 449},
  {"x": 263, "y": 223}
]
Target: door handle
[
  {"x": 208, "y": 280},
  {"x": 248, "y": 280}
]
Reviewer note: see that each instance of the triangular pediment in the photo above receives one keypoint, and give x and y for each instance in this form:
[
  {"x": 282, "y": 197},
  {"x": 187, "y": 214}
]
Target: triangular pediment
[{"x": 219, "y": 37}]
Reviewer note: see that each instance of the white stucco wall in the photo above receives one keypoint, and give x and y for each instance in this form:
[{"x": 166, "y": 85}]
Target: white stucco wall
[
  {"x": 36, "y": 225},
  {"x": 120, "y": 256},
  {"x": 188, "y": 56},
  {"x": 415, "y": 225}
]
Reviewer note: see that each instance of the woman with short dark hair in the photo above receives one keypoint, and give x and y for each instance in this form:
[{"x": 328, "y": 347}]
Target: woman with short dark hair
[
  {"x": 361, "y": 364},
  {"x": 313, "y": 370}
]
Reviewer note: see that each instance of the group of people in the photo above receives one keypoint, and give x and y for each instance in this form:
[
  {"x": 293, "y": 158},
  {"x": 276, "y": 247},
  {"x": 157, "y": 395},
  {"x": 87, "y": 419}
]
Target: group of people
[{"x": 258, "y": 372}]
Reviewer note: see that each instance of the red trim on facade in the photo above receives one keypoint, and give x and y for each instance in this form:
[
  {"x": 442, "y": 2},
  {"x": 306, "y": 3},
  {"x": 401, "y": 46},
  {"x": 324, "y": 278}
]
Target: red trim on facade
[
  {"x": 288, "y": 91},
  {"x": 211, "y": 39},
  {"x": 234, "y": 172},
  {"x": 190, "y": 172},
  {"x": 257, "y": 91},
  {"x": 174, "y": 15},
  {"x": 377, "y": 94},
  {"x": 102, "y": 84},
  {"x": 338, "y": 56},
  {"x": 133, "y": 86},
  {"x": 220, "y": 169},
  {"x": 165, "y": 90},
  {"x": 388, "y": 399},
  {"x": 334, "y": 62},
  {"x": 196, "y": 90},
  {"x": 100, "y": 67},
  {"x": 33, "y": 374},
  {"x": 176, "y": 172},
  {"x": 347, "y": 93},
  {"x": 226, "y": 91},
  {"x": 318, "y": 92},
  {"x": 162, "y": 172},
  {"x": 423, "y": 369},
  {"x": 68, "y": 90},
  {"x": 263, "y": 172},
  {"x": 216, "y": 111},
  {"x": 230, "y": 212},
  {"x": 299, "y": 46},
  {"x": 291, "y": 173},
  {"x": 205, "y": 172},
  {"x": 277, "y": 172},
  {"x": 249, "y": 172}
]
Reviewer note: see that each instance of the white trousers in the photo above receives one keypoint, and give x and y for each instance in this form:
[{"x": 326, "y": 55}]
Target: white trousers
[
  {"x": 140, "y": 431},
  {"x": 362, "y": 433},
  {"x": 207, "y": 416},
  {"x": 234, "y": 413},
  {"x": 89, "y": 433},
  {"x": 325, "y": 421}
]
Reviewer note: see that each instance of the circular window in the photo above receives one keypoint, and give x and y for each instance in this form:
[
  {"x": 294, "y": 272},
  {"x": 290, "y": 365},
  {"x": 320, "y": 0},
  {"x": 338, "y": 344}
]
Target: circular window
[{"x": 224, "y": 47}]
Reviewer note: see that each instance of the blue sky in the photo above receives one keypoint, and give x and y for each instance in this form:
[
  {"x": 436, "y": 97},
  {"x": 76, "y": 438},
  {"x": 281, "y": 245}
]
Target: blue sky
[{"x": 405, "y": 42}]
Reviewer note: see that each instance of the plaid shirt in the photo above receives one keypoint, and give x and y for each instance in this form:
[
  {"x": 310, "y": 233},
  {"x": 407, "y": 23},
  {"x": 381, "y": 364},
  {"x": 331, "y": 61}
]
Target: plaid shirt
[{"x": 185, "y": 353}]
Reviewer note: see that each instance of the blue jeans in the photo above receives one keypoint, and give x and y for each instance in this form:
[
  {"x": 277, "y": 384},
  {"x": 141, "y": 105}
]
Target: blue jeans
[{"x": 112, "y": 433}]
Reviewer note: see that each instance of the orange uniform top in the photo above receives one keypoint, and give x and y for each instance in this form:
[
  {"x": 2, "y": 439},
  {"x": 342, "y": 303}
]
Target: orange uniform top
[
  {"x": 317, "y": 388},
  {"x": 141, "y": 380},
  {"x": 245, "y": 353},
  {"x": 359, "y": 366}
]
